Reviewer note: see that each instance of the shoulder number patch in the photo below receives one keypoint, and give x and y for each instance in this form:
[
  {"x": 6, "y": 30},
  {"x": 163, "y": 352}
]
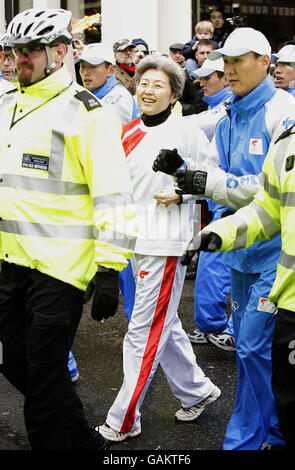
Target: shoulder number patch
[
  {"x": 289, "y": 163},
  {"x": 90, "y": 102}
]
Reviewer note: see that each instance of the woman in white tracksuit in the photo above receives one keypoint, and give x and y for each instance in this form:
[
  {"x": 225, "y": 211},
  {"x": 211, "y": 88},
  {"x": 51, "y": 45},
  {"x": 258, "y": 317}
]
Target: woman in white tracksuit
[{"x": 155, "y": 334}]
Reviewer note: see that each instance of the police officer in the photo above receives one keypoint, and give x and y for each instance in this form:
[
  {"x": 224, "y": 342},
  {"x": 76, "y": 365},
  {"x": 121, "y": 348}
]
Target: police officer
[
  {"x": 7, "y": 67},
  {"x": 64, "y": 193},
  {"x": 271, "y": 212}
]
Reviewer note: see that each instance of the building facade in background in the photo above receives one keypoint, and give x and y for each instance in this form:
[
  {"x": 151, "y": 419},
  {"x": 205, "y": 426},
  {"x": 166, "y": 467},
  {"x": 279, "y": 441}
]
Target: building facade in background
[
  {"x": 166, "y": 21},
  {"x": 274, "y": 18}
]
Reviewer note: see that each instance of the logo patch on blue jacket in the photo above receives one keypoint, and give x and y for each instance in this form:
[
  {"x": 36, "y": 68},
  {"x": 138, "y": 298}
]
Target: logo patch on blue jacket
[{"x": 256, "y": 146}]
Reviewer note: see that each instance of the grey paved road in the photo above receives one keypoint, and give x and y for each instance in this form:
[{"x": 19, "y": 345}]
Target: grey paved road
[{"x": 98, "y": 351}]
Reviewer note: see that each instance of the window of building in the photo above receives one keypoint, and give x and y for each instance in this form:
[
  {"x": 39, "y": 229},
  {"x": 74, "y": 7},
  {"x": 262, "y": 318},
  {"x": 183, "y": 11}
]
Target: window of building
[
  {"x": 12, "y": 7},
  {"x": 85, "y": 14},
  {"x": 274, "y": 18},
  {"x": 81, "y": 8}
]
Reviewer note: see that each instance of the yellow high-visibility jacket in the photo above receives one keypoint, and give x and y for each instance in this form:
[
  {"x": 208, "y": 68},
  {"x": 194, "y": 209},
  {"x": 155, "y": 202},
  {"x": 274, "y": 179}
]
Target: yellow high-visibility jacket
[
  {"x": 272, "y": 211},
  {"x": 66, "y": 201}
]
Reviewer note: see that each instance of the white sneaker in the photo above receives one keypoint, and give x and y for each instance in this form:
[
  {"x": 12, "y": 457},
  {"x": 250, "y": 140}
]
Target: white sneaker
[
  {"x": 117, "y": 436},
  {"x": 223, "y": 341},
  {"x": 198, "y": 337},
  {"x": 192, "y": 413}
]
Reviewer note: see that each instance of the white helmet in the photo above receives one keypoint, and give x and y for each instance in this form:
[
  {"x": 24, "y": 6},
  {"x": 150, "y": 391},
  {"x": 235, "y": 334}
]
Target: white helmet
[
  {"x": 40, "y": 26},
  {"x": 5, "y": 43}
]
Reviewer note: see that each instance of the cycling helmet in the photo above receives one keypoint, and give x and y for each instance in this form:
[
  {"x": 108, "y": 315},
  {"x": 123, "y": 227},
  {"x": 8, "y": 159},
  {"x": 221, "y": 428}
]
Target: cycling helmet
[
  {"x": 4, "y": 43},
  {"x": 40, "y": 26}
]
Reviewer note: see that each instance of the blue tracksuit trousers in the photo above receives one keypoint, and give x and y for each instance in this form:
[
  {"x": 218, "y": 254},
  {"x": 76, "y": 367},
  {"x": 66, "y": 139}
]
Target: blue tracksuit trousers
[{"x": 254, "y": 420}]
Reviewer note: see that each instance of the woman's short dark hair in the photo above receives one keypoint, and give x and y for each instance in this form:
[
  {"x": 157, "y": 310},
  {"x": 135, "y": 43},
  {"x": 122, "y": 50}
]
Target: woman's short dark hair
[{"x": 166, "y": 64}]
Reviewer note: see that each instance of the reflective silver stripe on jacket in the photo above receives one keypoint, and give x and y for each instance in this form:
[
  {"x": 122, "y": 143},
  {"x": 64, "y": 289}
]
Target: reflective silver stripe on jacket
[
  {"x": 115, "y": 238},
  {"x": 288, "y": 199},
  {"x": 47, "y": 230},
  {"x": 44, "y": 185},
  {"x": 287, "y": 261},
  {"x": 271, "y": 228},
  {"x": 241, "y": 237},
  {"x": 280, "y": 156},
  {"x": 271, "y": 190},
  {"x": 53, "y": 184},
  {"x": 112, "y": 200},
  {"x": 57, "y": 147}
]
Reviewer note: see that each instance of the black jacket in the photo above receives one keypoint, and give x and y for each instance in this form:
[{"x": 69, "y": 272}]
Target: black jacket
[{"x": 191, "y": 98}]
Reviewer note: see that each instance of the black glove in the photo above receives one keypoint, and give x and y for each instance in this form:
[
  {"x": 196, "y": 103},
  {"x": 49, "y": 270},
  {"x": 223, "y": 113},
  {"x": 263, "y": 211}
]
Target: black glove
[
  {"x": 226, "y": 213},
  {"x": 105, "y": 289},
  {"x": 190, "y": 258},
  {"x": 191, "y": 182},
  {"x": 167, "y": 161},
  {"x": 210, "y": 241}
]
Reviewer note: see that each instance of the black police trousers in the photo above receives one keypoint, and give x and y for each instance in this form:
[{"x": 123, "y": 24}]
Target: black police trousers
[
  {"x": 283, "y": 378},
  {"x": 39, "y": 316}
]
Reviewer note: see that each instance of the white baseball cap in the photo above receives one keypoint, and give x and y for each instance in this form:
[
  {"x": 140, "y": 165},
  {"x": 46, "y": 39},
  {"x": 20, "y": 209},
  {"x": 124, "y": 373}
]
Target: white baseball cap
[
  {"x": 286, "y": 55},
  {"x": 209, "y": 67},
  {"x": 97, "y": 53},
  {"x": 240, "y": 42}
]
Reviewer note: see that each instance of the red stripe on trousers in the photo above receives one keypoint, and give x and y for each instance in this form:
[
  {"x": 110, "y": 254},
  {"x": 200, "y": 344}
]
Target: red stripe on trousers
[{"x": 153, "y": 340}]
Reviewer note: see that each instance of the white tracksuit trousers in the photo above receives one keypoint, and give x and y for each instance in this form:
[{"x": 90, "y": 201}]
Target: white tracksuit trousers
[{"x": 155, "y": 336}]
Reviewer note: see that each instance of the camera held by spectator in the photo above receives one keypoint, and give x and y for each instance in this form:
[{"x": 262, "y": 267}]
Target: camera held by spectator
[{"x": 236, "y": 21}]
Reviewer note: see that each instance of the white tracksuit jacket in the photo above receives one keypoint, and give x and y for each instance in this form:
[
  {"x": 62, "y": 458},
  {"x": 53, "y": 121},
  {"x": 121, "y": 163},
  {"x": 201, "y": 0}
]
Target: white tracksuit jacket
[{"x": 155, "y": 334}]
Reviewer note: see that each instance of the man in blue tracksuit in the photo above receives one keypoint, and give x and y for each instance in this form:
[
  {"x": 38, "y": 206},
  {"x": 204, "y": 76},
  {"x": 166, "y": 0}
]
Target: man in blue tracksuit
[
  {"x": 97, "y": 72},
  {"x": 257, "y": 114},
  {"x": 285, "y": 69},
  {"x": 213, "y": 276}
]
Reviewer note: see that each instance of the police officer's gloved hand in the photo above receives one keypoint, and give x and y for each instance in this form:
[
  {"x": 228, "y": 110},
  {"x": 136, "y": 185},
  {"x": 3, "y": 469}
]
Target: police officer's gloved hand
[
  {"x": 191, "y": 182},
  {"x": 190, "y": 256},
  {"x": 104, "y": 287},
  {"x": 168, "y": 161},
  {"x": 210, "y": 241}
]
